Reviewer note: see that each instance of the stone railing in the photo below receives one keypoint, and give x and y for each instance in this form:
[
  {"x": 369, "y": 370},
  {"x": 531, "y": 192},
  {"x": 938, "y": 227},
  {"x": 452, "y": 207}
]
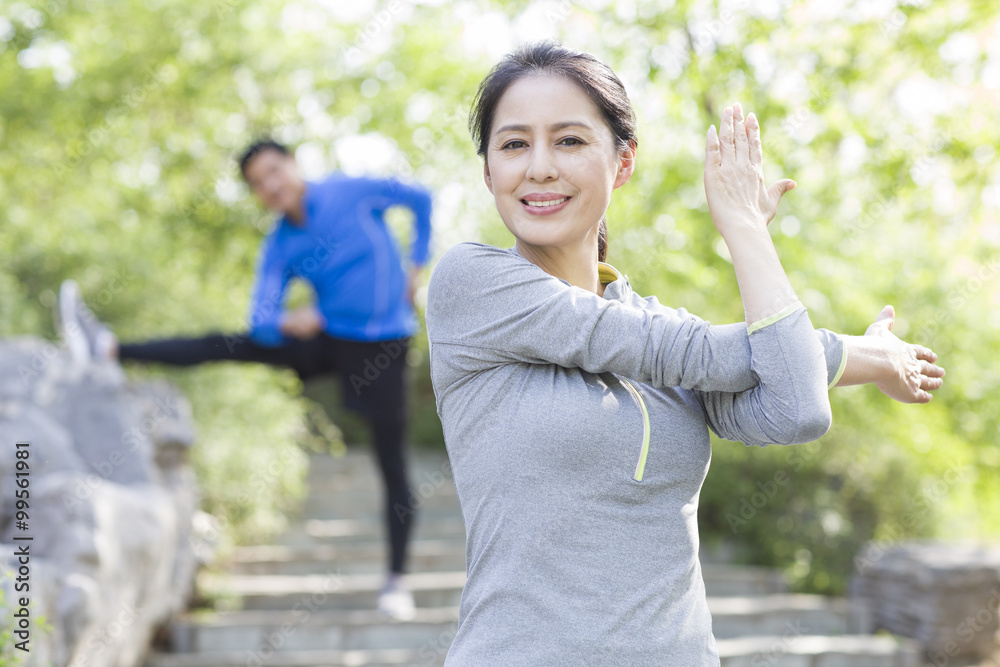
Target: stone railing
[
  {"x": 96, "y": 545},
  {"x": 946, "y": 596}
]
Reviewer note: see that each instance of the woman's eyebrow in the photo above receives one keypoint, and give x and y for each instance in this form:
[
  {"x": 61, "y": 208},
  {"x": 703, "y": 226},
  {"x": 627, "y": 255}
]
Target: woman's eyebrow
[{"x": 555, "y": 127}]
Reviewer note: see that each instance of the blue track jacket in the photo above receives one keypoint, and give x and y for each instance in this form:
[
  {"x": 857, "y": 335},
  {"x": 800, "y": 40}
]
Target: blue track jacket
[{"x": 346, "y": 251}]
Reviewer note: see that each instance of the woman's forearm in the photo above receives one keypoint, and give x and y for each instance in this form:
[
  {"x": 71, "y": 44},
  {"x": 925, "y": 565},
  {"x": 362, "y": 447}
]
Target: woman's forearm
[
  {"x": 764, "y": 286},
  {"x": 868, "y": 360}
]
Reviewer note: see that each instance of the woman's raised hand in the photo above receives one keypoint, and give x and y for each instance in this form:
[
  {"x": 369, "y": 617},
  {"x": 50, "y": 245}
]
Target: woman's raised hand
[{"x": 734, "y": 174}]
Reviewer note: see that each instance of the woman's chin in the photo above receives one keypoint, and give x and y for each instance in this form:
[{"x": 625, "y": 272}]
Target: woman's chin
[
  {"x": 538, "y": 238},
  {"x": 545, "y": 232}
]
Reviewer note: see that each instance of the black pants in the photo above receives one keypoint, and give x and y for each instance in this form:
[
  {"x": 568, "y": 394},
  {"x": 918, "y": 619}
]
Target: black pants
[{"x": 373, "y": 375}]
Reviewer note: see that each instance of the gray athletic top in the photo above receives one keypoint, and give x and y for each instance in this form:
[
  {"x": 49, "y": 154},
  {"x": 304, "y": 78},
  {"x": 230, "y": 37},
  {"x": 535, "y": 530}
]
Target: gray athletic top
[{"x": 577, "y": 429}]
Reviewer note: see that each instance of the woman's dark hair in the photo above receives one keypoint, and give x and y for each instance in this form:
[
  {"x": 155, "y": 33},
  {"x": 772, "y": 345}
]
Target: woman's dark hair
[
  {"x": 594, "y": 77},
  {"x": 258, "y": 147}
]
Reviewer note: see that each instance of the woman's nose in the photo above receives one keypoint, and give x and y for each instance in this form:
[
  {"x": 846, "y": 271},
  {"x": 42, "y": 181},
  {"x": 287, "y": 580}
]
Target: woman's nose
[{"x": 542, "y": 166}]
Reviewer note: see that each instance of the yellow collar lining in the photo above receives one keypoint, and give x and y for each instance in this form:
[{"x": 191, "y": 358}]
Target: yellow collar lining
[{"x": 607, "y": 273}]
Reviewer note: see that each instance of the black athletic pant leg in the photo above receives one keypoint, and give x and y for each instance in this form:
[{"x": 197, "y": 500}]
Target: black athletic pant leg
[
  {"x": 373, "y": 375},
  {"x": 374, "y": 380},
  {"x": 307, "y": 357}
]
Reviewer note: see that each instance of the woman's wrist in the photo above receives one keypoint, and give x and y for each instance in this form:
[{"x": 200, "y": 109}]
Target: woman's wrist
[
  {"x": 744, "y": 224},
  {"x": 868, "y": 360}
]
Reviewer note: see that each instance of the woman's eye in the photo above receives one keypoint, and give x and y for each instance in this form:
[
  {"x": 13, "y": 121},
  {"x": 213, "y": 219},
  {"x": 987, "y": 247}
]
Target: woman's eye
[
  {"x": 516, "y": 143},
  {"x": 571, "y": 141}
]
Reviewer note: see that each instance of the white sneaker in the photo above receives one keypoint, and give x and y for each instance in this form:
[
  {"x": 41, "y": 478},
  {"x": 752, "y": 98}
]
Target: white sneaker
[
  {"x": 69, "y": 325},
  {"x": 395, "y": 600},
  {"x": 86, "y": 336}
]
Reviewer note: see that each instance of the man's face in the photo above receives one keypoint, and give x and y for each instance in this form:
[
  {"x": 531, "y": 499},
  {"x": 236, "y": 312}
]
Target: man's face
[{"x": 275, "y": 179}]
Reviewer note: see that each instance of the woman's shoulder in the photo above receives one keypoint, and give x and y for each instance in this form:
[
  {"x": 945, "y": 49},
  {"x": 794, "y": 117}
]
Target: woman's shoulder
[
  {"x": 470, "y": 262},
  {"x": 472, "y": 250}
]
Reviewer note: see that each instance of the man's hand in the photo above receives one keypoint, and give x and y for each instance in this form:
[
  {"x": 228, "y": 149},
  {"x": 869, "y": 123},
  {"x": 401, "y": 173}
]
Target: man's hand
[
  {"x": 303, "y": 322},
  {"x": 412, "y": 283}
]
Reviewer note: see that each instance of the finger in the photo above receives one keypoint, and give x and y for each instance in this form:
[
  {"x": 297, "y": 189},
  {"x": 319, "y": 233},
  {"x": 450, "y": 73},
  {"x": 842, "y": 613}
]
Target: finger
[
  {"x": 753, "y": 130},
  {"x": 929, "y": 383},
  {"x": 740, "y": 134},
  {"x": 713, "y": 156},
  {"x": 886, "y": 317},
  {"x": 727, "y": 149},
  {"x": 925, "y": 353},
  {"x": 923, "y": 396},
  {"x": 931, "y": 370},
  {"x": 778, "y": 189}
]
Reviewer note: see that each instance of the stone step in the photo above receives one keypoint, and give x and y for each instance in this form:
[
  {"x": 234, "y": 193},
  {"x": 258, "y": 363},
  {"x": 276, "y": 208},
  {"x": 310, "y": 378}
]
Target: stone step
[
  {"x": 341, "y": 503},
  {"x": 428, "y": 657},
  {"x": 738, "y": 580},
  {"x": 791, "y": 649},
  {"x": 360, "y": 463},
  {"x": 773, "y": 651},
  {"x": 355, "y": 531},
  {"x": 305, "y": 630},
  {"x": 351, "y": 558},
  {"x": 330, "y": 590},
  {"x": 444, "y": 555},
  {"x": 374, "y": 512},
  {"x": 278, "y": 646},
  {"x": 353, "y": 504},
  {"x": 774, "y": 614},
  {"x": 732, "y": 616},
  {"x": 309, "y": 627},
  {"x": 354, "y": 469}
]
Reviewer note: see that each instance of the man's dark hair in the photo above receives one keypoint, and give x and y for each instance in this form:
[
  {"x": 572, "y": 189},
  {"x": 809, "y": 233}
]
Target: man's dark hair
[{"x": 258, "y": 147}]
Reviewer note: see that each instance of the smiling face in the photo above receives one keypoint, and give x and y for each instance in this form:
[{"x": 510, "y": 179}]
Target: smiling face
[
  {"x": 552, "y": 162},
  {"x": 274, "y": 177}
]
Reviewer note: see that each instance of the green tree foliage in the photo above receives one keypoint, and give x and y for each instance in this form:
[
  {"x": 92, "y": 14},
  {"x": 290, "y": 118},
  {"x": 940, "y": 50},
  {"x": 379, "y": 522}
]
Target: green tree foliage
[{"x": 119, "y": 123}]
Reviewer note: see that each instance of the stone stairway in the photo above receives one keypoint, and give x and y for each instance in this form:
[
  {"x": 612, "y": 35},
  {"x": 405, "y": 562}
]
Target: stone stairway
[{"x": 308, "y": 600}]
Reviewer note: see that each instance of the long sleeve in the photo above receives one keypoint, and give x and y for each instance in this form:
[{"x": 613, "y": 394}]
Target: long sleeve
[
  {"x": 418, "y": 200},
  {"x": 833, "y": 345},
  {"x": 270, "y": 281},
  {"x": 791, "y": 402},
  {"x": 500, "y": 308}
]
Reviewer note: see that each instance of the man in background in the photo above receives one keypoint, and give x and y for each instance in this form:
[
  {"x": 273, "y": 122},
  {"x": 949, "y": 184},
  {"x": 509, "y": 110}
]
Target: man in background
[{"x": 332, "y": 234}]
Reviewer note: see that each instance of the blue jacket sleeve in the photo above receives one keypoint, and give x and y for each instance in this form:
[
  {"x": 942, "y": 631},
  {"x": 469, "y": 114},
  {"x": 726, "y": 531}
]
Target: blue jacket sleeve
[
  {"x": 270, "y": 282},
  {"x": 418, "y": 200}
]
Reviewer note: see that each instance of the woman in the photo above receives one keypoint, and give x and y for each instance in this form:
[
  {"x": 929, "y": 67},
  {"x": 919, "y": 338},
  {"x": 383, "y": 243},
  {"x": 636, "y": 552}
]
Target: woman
[{"x": 576, "y": 413}]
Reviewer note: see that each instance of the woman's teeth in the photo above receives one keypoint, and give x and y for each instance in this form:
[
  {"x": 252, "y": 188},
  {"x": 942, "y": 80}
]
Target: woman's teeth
[{"x": 551, "y": 202}]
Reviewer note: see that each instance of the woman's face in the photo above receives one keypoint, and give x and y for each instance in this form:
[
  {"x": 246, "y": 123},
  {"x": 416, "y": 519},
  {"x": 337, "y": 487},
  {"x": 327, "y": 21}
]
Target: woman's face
[{"x": 551, "y": 162}]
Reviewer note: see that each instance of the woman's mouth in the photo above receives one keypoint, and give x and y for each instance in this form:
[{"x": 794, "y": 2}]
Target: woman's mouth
[{"x": 544, "y": 207}]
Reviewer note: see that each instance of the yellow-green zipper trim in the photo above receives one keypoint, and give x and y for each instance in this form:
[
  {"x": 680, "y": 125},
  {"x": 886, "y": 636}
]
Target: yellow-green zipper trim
[{"x": 641, "y": 465}]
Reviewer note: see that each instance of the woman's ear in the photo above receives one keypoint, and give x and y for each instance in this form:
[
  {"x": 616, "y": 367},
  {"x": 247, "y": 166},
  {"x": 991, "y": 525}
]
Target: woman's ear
[
  {"x": 486, "y": 176},
  {"x": 626, "y": 164}
]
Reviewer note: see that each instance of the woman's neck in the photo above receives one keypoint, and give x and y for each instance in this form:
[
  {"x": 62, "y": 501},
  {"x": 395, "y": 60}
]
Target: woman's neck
[{"x": 576, "y": 264}]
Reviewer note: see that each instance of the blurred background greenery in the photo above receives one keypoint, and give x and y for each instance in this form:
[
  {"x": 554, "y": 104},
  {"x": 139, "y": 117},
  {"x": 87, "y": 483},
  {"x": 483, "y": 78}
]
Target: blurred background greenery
[{"x": 119, "y": 123}]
